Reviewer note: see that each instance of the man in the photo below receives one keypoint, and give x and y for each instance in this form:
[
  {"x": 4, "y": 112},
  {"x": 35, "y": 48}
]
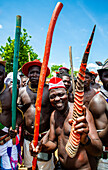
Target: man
[
  {"x": 99, "y": 108},
  {"x": 63, "y": 70},
  {"x": 60, "y": 128},
  {"x": 27, "y": 98},
  {"x": 8, "y": 150},
  {"x": 94, "y": 85},
  {"x": 89, "y": 92},
  {"x": 67, "y": 82}
]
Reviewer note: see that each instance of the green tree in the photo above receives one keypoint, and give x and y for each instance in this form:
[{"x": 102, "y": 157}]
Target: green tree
[
  {"x": 54, "y": 68},
  {"x": 7, "y": 52}
]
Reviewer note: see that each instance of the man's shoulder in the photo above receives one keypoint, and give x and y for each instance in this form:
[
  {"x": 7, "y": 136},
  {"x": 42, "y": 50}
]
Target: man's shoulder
[
  {"x": 22, "y": 90},
  {"x": 97, "y": 98}
]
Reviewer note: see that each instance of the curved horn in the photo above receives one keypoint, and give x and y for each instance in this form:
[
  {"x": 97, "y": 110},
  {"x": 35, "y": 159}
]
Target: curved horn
[{"x": 74, "y": 138}]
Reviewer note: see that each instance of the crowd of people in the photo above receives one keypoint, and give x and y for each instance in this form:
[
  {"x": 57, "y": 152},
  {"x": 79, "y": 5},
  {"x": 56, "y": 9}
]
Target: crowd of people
[{"x": 55, "y": 120}]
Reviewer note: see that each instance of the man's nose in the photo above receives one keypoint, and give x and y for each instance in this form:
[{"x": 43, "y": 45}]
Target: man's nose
[{"x": 57, "y": 98}]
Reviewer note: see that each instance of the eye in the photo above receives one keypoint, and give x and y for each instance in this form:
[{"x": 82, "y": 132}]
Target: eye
[
  {"x": 52, "y": 96},
  {"x": 61, "y": 94}
]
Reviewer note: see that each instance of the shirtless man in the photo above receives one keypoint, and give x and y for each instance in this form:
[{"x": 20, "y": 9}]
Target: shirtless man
[
  {"x": 99, "y": 108},
  {"x": 89, "y": 92},
  {"x": 60, "y": 130},
  {"x": 5, "y": 124},
  {"x": 94, "y": 85},
  {"x": 27, "y": 98}
]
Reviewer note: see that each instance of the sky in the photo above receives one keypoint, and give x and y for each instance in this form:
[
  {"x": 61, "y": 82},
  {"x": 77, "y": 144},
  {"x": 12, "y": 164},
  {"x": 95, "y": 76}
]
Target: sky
[{"x": 73, "y": 28}]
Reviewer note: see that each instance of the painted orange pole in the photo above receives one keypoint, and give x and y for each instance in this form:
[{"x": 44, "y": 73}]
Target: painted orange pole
[
  {"x": 74, "y": 138},
  {"x": 43, "y": 75}
]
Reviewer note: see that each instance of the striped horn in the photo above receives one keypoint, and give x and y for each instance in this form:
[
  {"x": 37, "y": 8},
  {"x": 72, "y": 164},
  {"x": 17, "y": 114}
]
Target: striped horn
[{"x": 74, "y": 138}]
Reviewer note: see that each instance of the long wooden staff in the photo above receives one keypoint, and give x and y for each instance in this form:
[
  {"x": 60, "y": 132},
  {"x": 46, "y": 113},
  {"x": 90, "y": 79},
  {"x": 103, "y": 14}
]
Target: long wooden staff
[
  {"x": 43, "y": 75},
  {"x": 74, "y": 138},
  {"x": 15, "y": 69},
  {"x": 71, "y": 63}
]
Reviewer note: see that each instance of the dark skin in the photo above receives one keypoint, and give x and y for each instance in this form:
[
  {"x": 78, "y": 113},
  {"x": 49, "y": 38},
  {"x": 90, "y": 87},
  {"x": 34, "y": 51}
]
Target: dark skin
[
  {"x": 67, "y": 83},
  {"x": 60, "y": 130},
  {"x": 61, "y": 71},
  {"x": 99, "y": 108},
  {"x": 88, "y": 91},
  {"x": 23, "y": 81},
  {"x": 6, "y": 99},
  {"x": 94, "y": 84},
  {"x": 28, "y": 99}
]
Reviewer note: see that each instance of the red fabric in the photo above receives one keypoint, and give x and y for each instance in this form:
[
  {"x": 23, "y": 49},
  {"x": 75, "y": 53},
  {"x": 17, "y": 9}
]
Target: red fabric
[
  {"x": 95, "y": 74},
  {"x": 36, "y": 62},
  {"x": 63, "y": 68},
  {"x": 56, "y": 82}
]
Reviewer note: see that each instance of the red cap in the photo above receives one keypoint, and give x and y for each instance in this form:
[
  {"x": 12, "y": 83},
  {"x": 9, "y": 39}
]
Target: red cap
[
  {"x": 95, "y": 74},
  {"x": 63, "y": 68},
  {"x": 36, "y": 62},
  {"x": 55, "y": 83}
]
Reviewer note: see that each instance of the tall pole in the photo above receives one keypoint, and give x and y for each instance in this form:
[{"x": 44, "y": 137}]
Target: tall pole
[
  {"x": 15, "y": 69},
  {"x": 71, "y": 64}
]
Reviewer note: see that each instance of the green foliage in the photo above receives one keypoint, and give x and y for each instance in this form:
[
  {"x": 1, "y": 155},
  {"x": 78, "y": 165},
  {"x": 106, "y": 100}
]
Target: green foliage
[
  {"x": 54, "y": 68},
  {"x": 7, "y": 52},
  {"x": 75, "y": 73}
]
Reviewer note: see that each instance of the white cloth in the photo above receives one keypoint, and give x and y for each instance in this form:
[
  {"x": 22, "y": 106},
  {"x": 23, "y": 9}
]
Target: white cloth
[
  {"x": 5, "y": 161},
  {"x": 42, "y": 165},
  {"x": 103, "y": 164}
]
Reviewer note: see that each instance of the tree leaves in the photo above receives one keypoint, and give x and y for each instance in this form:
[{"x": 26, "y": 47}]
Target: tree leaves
[{"x": 7, "y": 52}]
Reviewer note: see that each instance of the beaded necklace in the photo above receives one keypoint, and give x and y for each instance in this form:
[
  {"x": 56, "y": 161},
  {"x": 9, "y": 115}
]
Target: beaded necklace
[{"x": 34, "y": 90}]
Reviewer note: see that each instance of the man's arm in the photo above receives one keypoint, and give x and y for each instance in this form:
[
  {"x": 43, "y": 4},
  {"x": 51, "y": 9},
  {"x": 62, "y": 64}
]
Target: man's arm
[
  {"x": 93, "y": 145},
  {"x": 48, "y": 143},
  {"x": 98, "y": 107},
  {"x": 51, "y": 144}
]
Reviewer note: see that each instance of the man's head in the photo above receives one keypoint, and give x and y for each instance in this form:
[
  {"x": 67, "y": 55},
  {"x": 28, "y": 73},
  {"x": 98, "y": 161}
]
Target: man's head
[
  {"x": 57, "y": 94},
  {"x": 66, "y": 80},
  {"x": 33, "y": 74},
  {"x": 87, "y": 80},
  {"x": 2, "y": 74},
  {"x": 9, "y": 79},
  {"x": 94, "y": 75},
  {"x": 103, "y": 74},
  {"x": 32, "y": 71},
  {"x": 63, "y": 70}
]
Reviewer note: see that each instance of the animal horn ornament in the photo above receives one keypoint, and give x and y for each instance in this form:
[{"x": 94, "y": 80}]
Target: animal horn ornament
[{"x": 74, "y": 138}]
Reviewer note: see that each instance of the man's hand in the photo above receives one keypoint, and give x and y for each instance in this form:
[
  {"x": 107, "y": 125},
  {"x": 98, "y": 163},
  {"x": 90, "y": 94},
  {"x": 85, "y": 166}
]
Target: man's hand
[
  {"x": 12, "y": 133},
  {"x": 35, "y": 151},
  {"x": 81, "y": 127}
]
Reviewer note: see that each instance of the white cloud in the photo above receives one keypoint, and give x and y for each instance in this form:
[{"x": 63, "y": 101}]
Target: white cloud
[
  {"x": 1, "y": 26},
  {"x": 93, "y": 67}
]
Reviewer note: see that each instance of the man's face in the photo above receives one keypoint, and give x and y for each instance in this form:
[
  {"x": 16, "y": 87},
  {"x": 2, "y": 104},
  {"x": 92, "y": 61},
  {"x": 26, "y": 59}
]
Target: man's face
[
  {"x": 66, "y": 81},
  {"x": 58, "y": 98},
  {"x": 104, "y": 79},
  {"x": 87, "y": 80},
  {"x": 63, "y": 71},
  {"x": 93, "y": 79},
  {"x": 33, "y": 75},
  {"x": 2, "y": 75}
]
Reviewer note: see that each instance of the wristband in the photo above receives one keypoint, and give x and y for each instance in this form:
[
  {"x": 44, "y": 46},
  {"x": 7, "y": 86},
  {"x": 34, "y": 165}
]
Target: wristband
[{"x": 88, "y": 142}]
